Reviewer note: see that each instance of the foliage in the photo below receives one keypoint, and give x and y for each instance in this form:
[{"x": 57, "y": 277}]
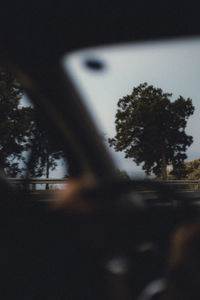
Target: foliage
[
  {"x": 190, "y": 171},
  {"x": 44, "y": 153},
  {"x": 193, "y": 169},
  {"x": 150, "y": 129},
  {"x": 14, "y": 124},
  {"x": 178, "y": 173},
  {"x": 123, "y": 174},
  {"x": 20, "y": 133}
]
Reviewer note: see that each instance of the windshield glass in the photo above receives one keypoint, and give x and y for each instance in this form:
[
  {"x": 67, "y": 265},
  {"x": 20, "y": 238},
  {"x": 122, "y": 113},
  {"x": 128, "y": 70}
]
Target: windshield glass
[{"x": 168, "y": 69}]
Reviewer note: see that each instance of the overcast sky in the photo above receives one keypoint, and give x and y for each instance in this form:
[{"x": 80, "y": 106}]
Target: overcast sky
[{"x": 173, "y": 66}]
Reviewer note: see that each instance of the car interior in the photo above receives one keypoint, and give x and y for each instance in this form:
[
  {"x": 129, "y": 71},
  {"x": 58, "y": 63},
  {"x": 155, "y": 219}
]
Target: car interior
[{"x": 98, "y": 236}]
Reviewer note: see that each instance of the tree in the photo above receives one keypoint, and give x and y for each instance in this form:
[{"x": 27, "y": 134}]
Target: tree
[
  {"x": 45, "y": 153},
  {"x": 150, "y": 129},
  {"x": 21, "y": 133},
  {"x": 14, "y": 125}
]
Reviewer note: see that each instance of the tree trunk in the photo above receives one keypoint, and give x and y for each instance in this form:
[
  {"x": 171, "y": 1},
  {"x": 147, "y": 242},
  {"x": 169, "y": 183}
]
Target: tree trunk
[
  {"x": 164, "y": 167},
  {"x": 47, "y": 172}
]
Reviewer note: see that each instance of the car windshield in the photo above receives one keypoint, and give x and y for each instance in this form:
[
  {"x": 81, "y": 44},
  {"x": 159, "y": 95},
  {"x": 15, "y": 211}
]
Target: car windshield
[{"x": 163, "y": 69}]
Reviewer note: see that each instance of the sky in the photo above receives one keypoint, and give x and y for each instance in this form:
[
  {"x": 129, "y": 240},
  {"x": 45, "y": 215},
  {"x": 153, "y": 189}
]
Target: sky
[{"x": 172, "y": 65}]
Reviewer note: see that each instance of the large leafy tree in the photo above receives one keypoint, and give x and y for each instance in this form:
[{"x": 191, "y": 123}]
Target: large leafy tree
[
  {"x": 14, "y": 124},
  {"x": 21, "y": 133},
  {"x": 150, "y": 129}
]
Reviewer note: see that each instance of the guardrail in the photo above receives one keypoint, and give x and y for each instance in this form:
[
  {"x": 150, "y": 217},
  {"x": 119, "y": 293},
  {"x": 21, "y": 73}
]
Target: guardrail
[
  {"x": 187, "y": 184},
  {"x": 38, "y": 180},
  {"x": 34, "y": 182}
]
